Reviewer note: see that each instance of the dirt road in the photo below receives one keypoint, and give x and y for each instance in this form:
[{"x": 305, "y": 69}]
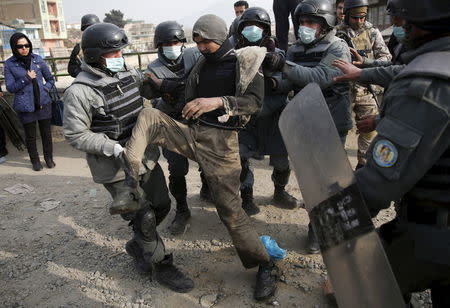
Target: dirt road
[{"x": 72, "y": 255}]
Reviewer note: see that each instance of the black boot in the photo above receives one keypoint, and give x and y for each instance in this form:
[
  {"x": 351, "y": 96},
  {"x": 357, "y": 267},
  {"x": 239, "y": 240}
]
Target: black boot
[
  {"x": 133, "y": 249},
  {"x": 168, "y": 275},
  {"x": 179, "y": 223},
  {"x": 178, "y": 189},
  {"x": 36, "y": 163},
  {"x": 281, "y": 197},
  {"x": 205, "y": 193},
  {"x": 247, "y": 201},
  {"x": 359, "y": 166},
  {"x": 313, "y": 243},
  {"x": 127, "y": 199},
  {"x": 49, "y": 162},
  {"x": 266, "y": 281}
]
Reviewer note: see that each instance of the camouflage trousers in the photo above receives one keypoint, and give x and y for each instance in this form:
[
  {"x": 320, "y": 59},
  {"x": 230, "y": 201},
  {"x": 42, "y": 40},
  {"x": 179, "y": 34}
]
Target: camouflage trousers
[
  {"x": 363, "y": 104},
  {"x": 217, "y": 153}
]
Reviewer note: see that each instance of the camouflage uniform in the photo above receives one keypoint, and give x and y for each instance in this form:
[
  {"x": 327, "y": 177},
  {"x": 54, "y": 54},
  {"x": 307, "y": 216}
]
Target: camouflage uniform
[{"x": 369, "y": 40}]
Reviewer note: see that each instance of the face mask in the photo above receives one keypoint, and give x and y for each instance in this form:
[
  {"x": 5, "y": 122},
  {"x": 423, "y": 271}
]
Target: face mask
[
  {"x": 115, "y": 64},
  {"x": 252, "y": 33},
  {"x": 307, "y": 35},
  {"x": 399, "y": 33},
  {"x": 172, "y": 52}
]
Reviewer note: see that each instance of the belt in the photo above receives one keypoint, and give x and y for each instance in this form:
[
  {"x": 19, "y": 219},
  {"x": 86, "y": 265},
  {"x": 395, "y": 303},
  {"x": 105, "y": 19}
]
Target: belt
[{"x": 428, "y": 213}]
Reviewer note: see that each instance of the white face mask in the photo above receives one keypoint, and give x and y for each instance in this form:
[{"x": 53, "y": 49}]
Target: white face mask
[
  {"x": 115, "y": 64},
  {"x": 307, "y": 35},
  {"x": 172, "y": 52}
]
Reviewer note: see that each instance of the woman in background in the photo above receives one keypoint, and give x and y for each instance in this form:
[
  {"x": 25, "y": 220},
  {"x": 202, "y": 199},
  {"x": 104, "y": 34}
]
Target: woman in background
[{"x": 24, "y": 75}]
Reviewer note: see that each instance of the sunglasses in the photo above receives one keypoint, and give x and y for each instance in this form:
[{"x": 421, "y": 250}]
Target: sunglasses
[
  {"x": 20, "y": 46},
  {"x": 358, "y": 17}
]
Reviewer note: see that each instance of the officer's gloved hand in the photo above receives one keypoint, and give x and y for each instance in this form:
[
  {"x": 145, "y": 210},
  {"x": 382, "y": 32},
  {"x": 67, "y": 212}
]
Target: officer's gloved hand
[
  {"x": 274, "y": 62},
  {"x": 153, "y": 80},
  {"x": 271, "y": 43},
  {"x": 118, "y": 149}
]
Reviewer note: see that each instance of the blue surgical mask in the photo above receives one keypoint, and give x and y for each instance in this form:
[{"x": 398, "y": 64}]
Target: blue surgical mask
[
  {"x": 115, "y": 64},
  {"x": 172, "y": 52},
  {"x": 307, "y": 35},
  {"x": 252, "y": 33},
  {"x": 399, "y": 33}
]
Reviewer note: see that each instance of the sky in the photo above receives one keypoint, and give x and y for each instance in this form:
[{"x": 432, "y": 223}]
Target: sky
[{"x": 185, "y": 12}]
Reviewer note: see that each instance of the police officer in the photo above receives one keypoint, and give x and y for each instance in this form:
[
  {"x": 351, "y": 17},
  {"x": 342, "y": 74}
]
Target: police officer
[
  {"x": 168, "y": 73},
  {"x": 366, "y": 40},
  {"x": 223, "y": 89},
  {"x": 262, "y": 135},
  {"x": 282, "y": 9},
  {"x": 409, "y": 159},
  {"x": 101, "y": 108},
  {"x": 74, "y": 66},
  {"x": 310, "y": 60}
]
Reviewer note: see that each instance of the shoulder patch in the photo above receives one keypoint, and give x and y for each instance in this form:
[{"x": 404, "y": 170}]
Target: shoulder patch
[{"x": 385, "y": 153}]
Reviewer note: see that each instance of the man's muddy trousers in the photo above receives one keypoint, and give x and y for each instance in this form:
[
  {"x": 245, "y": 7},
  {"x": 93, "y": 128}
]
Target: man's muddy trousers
[{"x": 217, "y": 152}]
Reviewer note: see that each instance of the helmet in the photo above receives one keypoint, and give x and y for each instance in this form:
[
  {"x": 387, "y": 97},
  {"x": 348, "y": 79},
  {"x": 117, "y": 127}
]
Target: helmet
[
  {"x": 350, "y": 4},
  {"x": 317, "y": 8},
  {"x": 167, "y": 32},
  {"x": 88, "y": 20},
  {"x": 102, "y": 38},
  {"x": 255, "y": 14},
  {"x": 420, "y": 11}
]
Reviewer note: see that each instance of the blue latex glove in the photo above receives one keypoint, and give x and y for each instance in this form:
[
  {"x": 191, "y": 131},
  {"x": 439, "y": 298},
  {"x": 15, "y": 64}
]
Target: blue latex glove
[{"x": 274, "y": 251}]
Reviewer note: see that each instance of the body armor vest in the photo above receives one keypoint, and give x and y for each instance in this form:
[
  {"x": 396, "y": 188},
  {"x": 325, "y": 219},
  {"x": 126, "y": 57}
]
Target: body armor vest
[
  {"x": 311, "y": 57},
  {"x": 363, "y": 45},
  {"x": 435, "y": 184},
  {"x": 122, "y": 104}
]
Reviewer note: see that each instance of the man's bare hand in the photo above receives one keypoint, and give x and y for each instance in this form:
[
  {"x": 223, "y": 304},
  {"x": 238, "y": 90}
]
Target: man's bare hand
[
  {"x": 199, "y": 106},
  {"x": 351, "y": 72},
  {"x": 359, "y": 60},
  {"x": 367, "y": 123},
  {"x": 153, "y": 79}
]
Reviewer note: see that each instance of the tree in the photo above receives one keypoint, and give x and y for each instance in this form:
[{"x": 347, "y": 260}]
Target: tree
[{"x": 115, "y": 17}]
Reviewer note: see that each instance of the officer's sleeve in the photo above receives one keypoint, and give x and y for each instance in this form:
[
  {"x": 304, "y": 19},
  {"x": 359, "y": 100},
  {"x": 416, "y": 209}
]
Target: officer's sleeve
[
  {"x": 79, "y": 104},
  {"x": 382, "y": 76},
  {"x": 324, "y": 72},
  {"x": 380, "y": 50},
  {"x": 412, "y": 136}
]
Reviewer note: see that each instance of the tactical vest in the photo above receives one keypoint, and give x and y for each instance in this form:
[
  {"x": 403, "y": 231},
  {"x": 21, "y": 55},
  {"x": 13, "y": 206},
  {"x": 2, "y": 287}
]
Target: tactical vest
[
  {"x": 363, "y": 45},
  {"x": 434, "y": 186},
  {"x": 122, "y": 104},
  {"x": 311, "y": 57}
]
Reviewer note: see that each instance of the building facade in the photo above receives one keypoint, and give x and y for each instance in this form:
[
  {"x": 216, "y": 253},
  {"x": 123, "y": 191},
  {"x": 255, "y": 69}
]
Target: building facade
[{"x": 47, "y": 13}]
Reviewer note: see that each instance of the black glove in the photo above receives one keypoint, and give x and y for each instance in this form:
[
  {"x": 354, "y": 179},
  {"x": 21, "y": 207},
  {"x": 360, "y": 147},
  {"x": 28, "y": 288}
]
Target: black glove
[{"x": 274, "y": 62}]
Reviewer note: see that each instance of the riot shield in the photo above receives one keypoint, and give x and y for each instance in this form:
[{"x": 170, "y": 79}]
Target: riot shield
[
  {"x": 351, "y": 249},
  {"x": 11, "y": 125}
]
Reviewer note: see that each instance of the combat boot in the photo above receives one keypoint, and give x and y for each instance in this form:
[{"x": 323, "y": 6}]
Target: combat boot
[
  {"x": 178, "y": 189},
  {"x": 179, "y": 223},
  {"x": 281, "y": 197},
  {"x": 127, "y": 199},
  {"x": 313, "y": 243},
  {"x": 132, "y": 248},
  {"x": 171, "y": 277},
  {"x": 266, "y": 281},
  {"x": 247, "y": 201}
]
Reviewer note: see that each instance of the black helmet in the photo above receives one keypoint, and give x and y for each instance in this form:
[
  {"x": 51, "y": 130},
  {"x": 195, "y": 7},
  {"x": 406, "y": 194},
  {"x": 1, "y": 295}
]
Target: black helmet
[
  {"x": 255, "y": 14},
  {"x": 102, "y": 38},
  {"x": 421, "y": 11},
  {"x": 317, "y": 8},
  {"x": 167, "y": 32},
  {"x": 88, "y": 20},
  {"x": 350, "y": 4}
]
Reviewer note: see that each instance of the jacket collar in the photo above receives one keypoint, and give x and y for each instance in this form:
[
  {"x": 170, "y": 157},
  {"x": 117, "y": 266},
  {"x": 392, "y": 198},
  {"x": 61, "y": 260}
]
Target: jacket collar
[{"x": 441, "y": 44}]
